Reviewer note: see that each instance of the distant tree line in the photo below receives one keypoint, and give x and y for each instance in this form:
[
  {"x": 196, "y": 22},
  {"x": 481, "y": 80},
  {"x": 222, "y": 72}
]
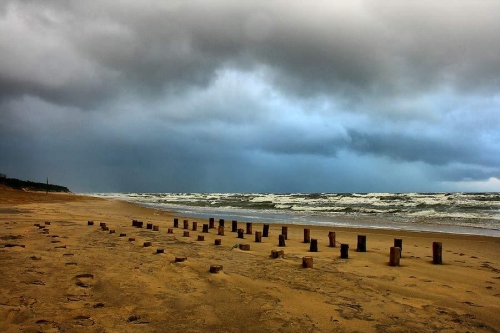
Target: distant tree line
[{"x": 32, "y": 186}]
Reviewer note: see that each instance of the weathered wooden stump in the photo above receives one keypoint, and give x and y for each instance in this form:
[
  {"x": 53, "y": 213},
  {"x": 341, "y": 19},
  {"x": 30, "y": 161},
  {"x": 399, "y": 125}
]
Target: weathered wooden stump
[
  {"x": 102, "y": 224},
  {"x": 361, "y": 243},
  {"x": 284, "y": 232},
  {"x": 38, "y": 224},
  {"x": 215, "y": 268},
  {"x": 249, "y": 228},
  {"x": 205, "y": 228},
  {"x": 314, "y": 245},
  {"x": 186, "y": 224},
  {"x": 180, "y": 259},
  {"x": 344, "y": 251},
  {"x": 140, "y": 224},
  {"x": 176, "y": 223},
  {"x": 281, "y": 241},
  {"x": 147, "y": 244},
  {"x": 265, "y": 230},
  {"x": 437, "y": 253},
  {"x": 245, "y": 247},
  {"x": 156, "y": 228},
  {"x": 134, "y": 223},
  {"x": 277, "y": 253},
  {"x": 131, "y": 239},
  {"x": 201, "y": 238},
  {"x": 90, "y": 222},
  {"x": 112, "y": 231},
  {"x": 149, "y": 226},
  {"x": 170, "y": 231},
  {"x": 258, "y": 236},
  {"x": 47, "y": 223},
  {"x": 240, "y": 233},
  {"x": 195, "y": 226},
  {"x": 234, "y": 226},
  {"x": 307, "y": 262},
  {"x": 105, "y": 228},
  {"x": 307, "y": 235},
  {"x": 185, "y": 234},
  {"x": 211, "y": 223},
  {"x": 394, "y": 256},
  {"x": 398, "y": 242},
  {"x": 221, "y": 222},
  {"x": 221, "y": 230},
  {"x": 123, "y": 235},
  {"x": 331, "y": 237},
  {"x": 218, "y": 241},
  {"x": 158, "y": 251}
]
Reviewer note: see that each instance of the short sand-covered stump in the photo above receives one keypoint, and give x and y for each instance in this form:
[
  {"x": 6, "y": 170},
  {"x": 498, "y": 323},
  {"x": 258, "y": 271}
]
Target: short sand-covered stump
[
  {"x": 131, "y": 239},
  {"x": 170, "y": 231},
  {"x": 277, "y": 253},
  {"x": 41, "y": 226},
  {"x": 158, "y": 251},
  {"x": 180, "y": 259},
  {"x": 245, "y": 247},
  {"x": 123, "y": 235},
  {"x": 147, "y": 244},
  {"x": 218, "y": 241},
  {"x": 149, "y": 226},
  {"x": 307, "y": 262},
  {"x": 215, "y": 268},
  {"x": 156, "y": 228},
  {"x": 134, "y": 223},
  {"x": 90, "y": 222},
  {"x": 201, "y": 238},
  {"x": 38, "y": 224},
  {"x": 105, "y": 228},
  {"x": 102, "y": 224},
  {"x": 112, "y": 231},
  {"x": 47, "y": 223},
  {"x": 185, "y": 234},
  {"x": 140, "y": 224}
]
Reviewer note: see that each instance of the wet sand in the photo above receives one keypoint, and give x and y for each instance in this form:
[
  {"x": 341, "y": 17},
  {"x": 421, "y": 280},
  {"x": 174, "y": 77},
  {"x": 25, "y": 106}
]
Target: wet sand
[{"x": 78, "y": 278}]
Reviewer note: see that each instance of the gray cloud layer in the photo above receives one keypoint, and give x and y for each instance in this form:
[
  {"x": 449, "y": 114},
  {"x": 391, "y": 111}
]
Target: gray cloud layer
[{"x": 212, "y": 96}]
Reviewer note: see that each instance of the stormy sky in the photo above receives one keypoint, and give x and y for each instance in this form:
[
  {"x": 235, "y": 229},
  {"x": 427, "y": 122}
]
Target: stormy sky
[{"x": 255, "y": 96}]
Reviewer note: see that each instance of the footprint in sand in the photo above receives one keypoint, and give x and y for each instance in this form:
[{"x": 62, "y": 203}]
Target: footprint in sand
[
  {"x": 84, "y": 320},
  {"x": 83, "y": 280},
  {"x": 71, "y": 263}
]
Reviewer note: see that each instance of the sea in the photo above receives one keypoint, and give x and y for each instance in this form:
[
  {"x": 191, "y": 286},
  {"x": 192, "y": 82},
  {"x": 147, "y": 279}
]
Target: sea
[{"x": 458, "y": 213}]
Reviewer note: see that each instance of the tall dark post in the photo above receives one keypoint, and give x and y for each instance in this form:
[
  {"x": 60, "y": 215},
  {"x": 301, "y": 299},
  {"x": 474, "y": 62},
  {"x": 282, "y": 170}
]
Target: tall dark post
[
  {"x": 314, "y": 245},
  {"x": 281, "y": 240},
  {"x": 344, "y": 251},
  {"x": 249, "y": 228},
  {"x": 221, "y": 222},
  {"x": 398, "y": 242},
  {"x": 240, "y": 233},
  {"x": 284, "y": 232},
  {"x": 176, "y": 223},
  {"x": 211, "y": 223},
  {"x": 205, "y": 228},
  {"x": 186, "y": 224},
  {"x": 361, "y": 243},
  {"x": 258, "y": 236},
  {"x": 331, "y": 237},
  {"x": 234, "y": 226},
  {"x": 195, "y": 226},
  {"x": 221, "y": 230},
  {"x": 265, "y": 232},
  {"x": 307, "y": 235},
  {"x": 437, "y": 253}
]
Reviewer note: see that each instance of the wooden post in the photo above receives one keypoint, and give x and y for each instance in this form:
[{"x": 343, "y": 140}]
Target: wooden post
[
  {"x": 134, "y": 223},
  {"x": 90, "y": 222},
  {"x": 149, "y": 226},
  {"x": 156, "y": 228},
  {"x": 244, "y": 247},
  {"x": 147, "y": 244},
  {"x": 307, "y": 262},
  {"x": 211, "y": 223},
  {"x": 186, "y": 224},
  {"x": 277, "y": 253},
  {"x": 105, "y": 228},
  {"x": 258, "y": 236},
  {"x": 437, "y": 253},
  {"x": 307, "y": 235},
  {"x": 221, "y": 230},
  {"x": 186, "y": 234},
  {"x": 314, "y": 245},
  {"x": 331, "y": 237},
  {"x": 398, "y": 242},
  {"x": 201, "y": 238},
  {"x": 176, "y": 223},
  {"x": 281, "y": 240},
  {"x": 249, "y": 228},
  {"x": 240, "y": 233},
  {"x": 218, "y": 241},
  {"x": 211, "y": 220},
  {"x": 284, "y": 232},
  {"x": 170, "y": 231},
  {"x": 101, "y": 224},
  {"x": 394, "y": 256},
  {"x": 234, "y": 226},
  {"x": 265, "y": 231},
  {"x": 221, "y": 222},
  {"x": 215, "y": 268},
  {"x": 140, "y": 224},
  {"x": 123, "y": 235},
  {"x": 361, "y": 243},
  {"x": 131, "y": 239},
  {"x": 195, "y": 226},
  {"x": 344, "y": 251},
  {"x": 158, "y": 251},
  {"x": 205, "y": 228},
  {"x": 112, "y": 231}
]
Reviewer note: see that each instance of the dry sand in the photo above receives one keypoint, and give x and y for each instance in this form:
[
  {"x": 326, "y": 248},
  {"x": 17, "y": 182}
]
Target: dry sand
[{"x": 78, "y": 278}]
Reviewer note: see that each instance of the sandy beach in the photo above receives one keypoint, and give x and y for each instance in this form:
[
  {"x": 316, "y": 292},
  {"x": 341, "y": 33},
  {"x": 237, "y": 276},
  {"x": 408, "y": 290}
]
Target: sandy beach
[{"x": 79, "y": 278}]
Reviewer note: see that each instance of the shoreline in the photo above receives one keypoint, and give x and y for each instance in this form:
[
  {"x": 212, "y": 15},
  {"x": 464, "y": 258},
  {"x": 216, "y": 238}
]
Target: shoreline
[{"x": 101, "y": 282}]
